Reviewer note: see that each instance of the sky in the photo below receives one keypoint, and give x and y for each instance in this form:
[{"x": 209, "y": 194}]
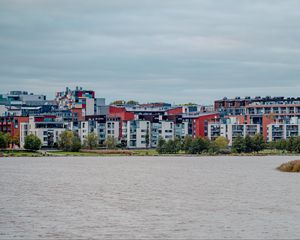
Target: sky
[{"x": 152, "y": 50}]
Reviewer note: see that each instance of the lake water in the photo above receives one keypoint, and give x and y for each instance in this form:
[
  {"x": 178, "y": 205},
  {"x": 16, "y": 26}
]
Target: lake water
[{"x": 148, "y": 197}]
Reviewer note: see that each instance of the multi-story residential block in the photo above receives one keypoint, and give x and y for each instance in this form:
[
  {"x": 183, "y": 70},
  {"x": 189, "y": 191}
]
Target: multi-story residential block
[
  {"x": 78, "y": 99},
  {"x": 232, "y": 131},
  {"x": 46, "y": 128},
  {"x": 282, "y": 131},
  {"x": 138, "y": 134}
]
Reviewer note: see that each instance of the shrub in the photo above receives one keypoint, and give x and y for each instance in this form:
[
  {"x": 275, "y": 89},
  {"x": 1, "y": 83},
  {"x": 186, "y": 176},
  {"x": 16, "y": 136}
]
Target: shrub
[
  {"x": 32, "y": 143},
  {"x": 292, "y": 166}
]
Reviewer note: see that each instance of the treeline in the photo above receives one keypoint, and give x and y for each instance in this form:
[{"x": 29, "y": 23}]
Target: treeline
[
  {"x": 192, "y": 146},
  {"x": 246, "y": 144},
  {"x": 291, "y": 145},
  {"x": 6, "y": 140}
]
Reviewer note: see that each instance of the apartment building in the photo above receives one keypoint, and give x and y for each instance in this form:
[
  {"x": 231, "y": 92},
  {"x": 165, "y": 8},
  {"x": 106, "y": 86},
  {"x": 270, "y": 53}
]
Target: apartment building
[
  {"x": 282, "y": 131},
  {"x": 46, "y": 128},
  {"x": 232, "y": 131}
]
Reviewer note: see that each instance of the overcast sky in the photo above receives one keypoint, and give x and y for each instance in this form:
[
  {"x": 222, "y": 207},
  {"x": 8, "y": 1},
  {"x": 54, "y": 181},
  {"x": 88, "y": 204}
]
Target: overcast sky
[{"x": 157, "y": 50}]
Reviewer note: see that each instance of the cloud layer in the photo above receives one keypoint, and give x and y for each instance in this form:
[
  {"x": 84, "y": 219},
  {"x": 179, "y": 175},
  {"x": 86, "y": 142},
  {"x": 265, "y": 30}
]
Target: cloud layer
[{"x": 171, "y": 50}]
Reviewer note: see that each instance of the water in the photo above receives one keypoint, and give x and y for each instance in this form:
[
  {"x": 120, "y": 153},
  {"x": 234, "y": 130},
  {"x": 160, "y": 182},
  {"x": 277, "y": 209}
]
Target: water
[{"x": 148, "y": 197}]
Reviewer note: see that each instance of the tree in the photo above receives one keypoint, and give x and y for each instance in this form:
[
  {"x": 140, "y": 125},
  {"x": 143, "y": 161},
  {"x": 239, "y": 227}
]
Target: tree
[
  {"x": 258, "y": 142},
  {"x": 132, "y": 103},
  {"x": 69, "y": 142},
  {"x": 178, "y": 144},
  {"x": 3, "y": 141},
  {"x": 280, "y": 144},
  {"x": 110, "y": 142},
  {"x": 221, "y": 142},
  {"x": 65, "y": 141},
  {"x": 199, "y": 145},
  {"x": 297, "y": 145},
  {"x": 248, "y": 144},
  {"x": 76, "y": 143},
  {"x": 32, "y": 143},
  {"x": 16, "y": 140},
  {"x": 118, "y": 102},
  {"x": 290, "y": 146},
  {"x": 161, "y": 146},
  {"x": 187, "y": 143},
  {"x": 238, "y": 144},
  {"x": 147, "y": 138},
  {"x": 91, "y": 140}
]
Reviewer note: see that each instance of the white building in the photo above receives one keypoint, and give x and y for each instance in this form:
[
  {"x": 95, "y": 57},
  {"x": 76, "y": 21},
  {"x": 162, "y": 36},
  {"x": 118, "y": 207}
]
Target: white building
[
  {"x": 282, "y": 131},
  {"x": 137, "y": 133},
  {"x": 47, "y": 129},
  {"x": 231, "y": 131}
]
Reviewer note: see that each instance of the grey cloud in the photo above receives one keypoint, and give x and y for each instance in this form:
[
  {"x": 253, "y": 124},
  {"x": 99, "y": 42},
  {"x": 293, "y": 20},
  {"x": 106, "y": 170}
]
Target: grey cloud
[{"x": 169, "y": 50}]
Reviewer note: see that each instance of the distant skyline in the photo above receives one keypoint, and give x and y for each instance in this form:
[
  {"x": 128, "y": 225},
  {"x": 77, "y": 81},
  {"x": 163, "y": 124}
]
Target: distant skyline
[{"x": 152, "y": 50}]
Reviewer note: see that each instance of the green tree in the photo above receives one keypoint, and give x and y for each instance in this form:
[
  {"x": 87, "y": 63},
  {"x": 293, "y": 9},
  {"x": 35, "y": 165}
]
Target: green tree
[
  {"x": 238, "y": 144},
  {"x": 132, "y": 103},
  {"x": 187, "y": 143},
  {"x": 76, "y": 143},
  {"x": 221, "y": 142},
  {"x": 3, "y": 141},
  {"x": 161, "y": 146},
  {"x": 280, "y": 144},
  {"x": 297, "y": 145},
  {"x": 66, "y": 140},
  {"x": 147, "y": 138},
  {"x": 178, "y": 144},
  {"x": 290, "y": 146},
  {"x": 118, "y": 102},
  {"x": 91, "y": 140},
  {"x": 258, "y": 143},
  {"x": 199, "y": 145},
  {"x": 32, "y": 143},
  {"x": 248, "y": 144},
  {"x": 110, "y": 142}
]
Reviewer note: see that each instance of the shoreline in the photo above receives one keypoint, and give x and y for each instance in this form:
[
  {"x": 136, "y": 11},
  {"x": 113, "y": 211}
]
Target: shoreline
[{"x": 129, "y": 153}]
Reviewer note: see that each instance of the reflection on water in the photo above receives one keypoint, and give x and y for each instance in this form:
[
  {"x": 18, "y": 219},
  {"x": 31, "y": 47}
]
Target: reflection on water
[{"x": 148, "y": 197}]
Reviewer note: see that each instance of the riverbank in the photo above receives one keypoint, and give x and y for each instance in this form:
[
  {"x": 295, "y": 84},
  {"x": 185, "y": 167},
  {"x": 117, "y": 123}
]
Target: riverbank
[{"x": 140, "y": 152}]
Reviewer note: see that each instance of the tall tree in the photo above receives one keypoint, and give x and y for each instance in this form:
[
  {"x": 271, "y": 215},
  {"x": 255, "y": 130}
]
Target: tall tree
[
  {"x": 91, "y": 140},
  {"x": 32, "y": 143},
  {"x": 258, "y": 143},
  {"x": 238, "y": 144}
]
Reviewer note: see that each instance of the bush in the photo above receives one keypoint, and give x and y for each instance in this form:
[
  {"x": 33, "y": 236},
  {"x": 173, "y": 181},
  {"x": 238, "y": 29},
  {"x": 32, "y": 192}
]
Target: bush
[
  {"x": 292, "y": 166},
  {"x": 32, "y": 143}
]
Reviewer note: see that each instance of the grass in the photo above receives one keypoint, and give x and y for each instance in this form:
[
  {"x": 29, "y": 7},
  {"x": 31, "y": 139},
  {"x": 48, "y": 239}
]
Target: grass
[
  {"x": 80, "y": 154},
  {"x": 145, "y": 152},
  {"x": 20, "y": 153},
  {"x": 292, "y": 166}
]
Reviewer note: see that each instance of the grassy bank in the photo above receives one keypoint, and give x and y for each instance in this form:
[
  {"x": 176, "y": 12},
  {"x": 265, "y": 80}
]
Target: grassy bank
[
  {"x": 139, "y": 152},
  {"x": 21, "y": 153}
]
